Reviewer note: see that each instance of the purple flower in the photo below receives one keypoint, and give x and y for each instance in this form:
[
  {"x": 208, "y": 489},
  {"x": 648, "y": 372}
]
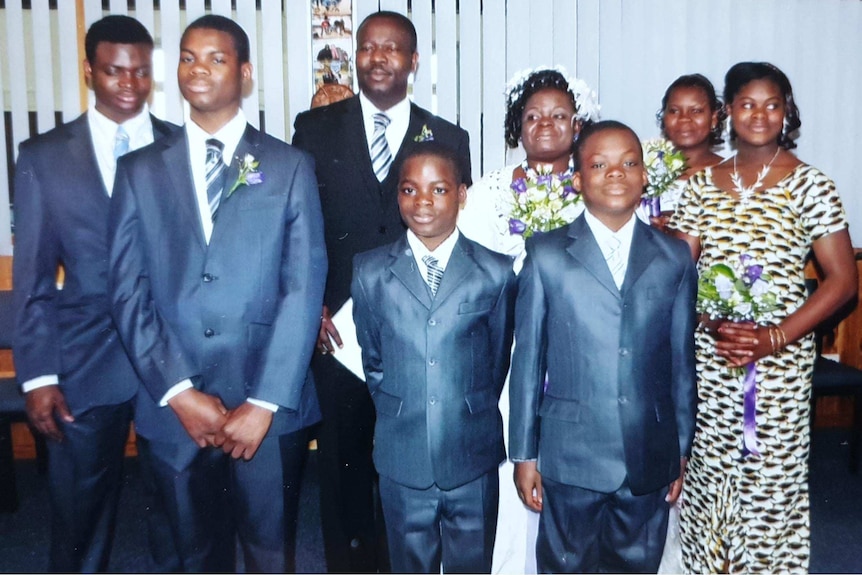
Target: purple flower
[
  {"x": 519, "y": 185},
  {"x": 254, "y": 178},
  {"x": 752, "y": 274},
  {"x": 568, "y": 190},
  {"x": 516, "y": 226},
  {"x": 544, "y": 180}
]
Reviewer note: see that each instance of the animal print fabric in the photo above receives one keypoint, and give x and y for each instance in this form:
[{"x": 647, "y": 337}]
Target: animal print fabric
[{"x": 751, "y": 514}]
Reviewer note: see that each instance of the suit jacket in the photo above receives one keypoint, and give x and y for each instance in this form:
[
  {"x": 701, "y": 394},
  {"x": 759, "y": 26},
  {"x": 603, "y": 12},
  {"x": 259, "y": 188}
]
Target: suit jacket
[
  {"x": 620, "y": 397},
  {"x": 435, "y": 366},
  {"x": 359, "y": 212},
  {"x": 239, "y": 316},
  {"x": 61, "y": 208}
]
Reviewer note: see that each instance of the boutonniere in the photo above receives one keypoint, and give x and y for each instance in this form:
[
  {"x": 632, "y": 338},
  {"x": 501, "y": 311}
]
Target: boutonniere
[
  {"x": 249, "y": 175},
  {"x": 426, "y": 135}
]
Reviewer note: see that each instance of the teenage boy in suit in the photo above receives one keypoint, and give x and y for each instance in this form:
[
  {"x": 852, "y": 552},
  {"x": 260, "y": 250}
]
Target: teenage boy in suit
[
  {"x": 434, "y": 313},
  {"x": 77, "y": 379},
  {"x": 217, "y": 272},
  {"x": 358, "y": 146},
  {"x": 606, "y": 310}
]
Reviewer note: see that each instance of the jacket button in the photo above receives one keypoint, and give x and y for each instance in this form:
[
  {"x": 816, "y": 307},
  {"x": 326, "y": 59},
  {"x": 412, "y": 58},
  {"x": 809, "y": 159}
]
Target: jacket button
[
  {"x": 432, "y": 322},
  {"x": 432, "y": 362},
  {"x": 432, "y": 400},
  {"x": 208, "y": 277},
  {"x": 209, "y": 332},
  {"x": 623, "y": 400},
  {"x": 382, "y": 230},
  {"x": 624, "y": 351}
]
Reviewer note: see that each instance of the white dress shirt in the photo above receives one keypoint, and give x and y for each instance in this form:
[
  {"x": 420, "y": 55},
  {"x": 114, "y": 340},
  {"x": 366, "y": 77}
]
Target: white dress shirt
[
  {"x": 399, "y": 122},
  {"x": 103, "y": 132},
  {"x": 229, "y": 135},
  {"x": 603, "y": 235},
  {"x": 442, "y": 253}
]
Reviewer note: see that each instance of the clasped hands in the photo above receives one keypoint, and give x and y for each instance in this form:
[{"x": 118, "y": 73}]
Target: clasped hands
[
  {"x": 741, "y": 342},
  {"x": 238, "y": 432}
]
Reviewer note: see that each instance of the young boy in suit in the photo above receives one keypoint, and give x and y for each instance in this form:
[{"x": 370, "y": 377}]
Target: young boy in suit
[
  {"x": 606, "y": 311},
  {"x": 434, "y": 316}
]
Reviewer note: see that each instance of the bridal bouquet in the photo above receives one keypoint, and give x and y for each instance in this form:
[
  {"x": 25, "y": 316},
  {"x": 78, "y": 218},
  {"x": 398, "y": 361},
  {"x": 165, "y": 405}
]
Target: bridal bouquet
[
  {"x": 739, "y": 293},
  {"x": 542, "y": 201},
  {"x": 664, "y": 164}
]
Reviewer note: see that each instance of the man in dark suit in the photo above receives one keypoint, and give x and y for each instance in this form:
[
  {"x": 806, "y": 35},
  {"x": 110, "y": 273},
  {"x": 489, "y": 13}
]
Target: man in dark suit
[
  {"x": 435, "y": 354},
  {"x": 357, "y": 176},
  {"x": 217, "y": 273},
  {"x": 78, "y": 381},
  {"x": 606, "y": 310}
]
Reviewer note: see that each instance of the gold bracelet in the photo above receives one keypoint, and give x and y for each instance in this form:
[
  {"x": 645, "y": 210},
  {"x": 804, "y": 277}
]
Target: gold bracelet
[
  {"x": 782, "y": 336},
  {"x": 772, "y": 338}
]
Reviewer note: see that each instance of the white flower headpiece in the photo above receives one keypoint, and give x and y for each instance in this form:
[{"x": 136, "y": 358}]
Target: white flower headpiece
[{"x": 586, "y": 99}]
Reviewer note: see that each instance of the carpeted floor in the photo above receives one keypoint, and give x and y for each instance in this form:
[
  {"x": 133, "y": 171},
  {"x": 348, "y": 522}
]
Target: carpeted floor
[{"x": 836, "y": 517}]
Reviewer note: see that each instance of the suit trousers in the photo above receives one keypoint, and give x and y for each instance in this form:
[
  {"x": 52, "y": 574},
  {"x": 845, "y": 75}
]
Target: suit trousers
[
  {"x": 196, "y": 514},
  {"x": 430, "y": 527},
  {"x": 85, "y": 473},
  {"x": 351, "y": 520},
  {"x": 584, "y": 531}
]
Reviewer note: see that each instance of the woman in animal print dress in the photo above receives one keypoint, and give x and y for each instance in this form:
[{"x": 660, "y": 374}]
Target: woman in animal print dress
[{"x": 746, "y": 493}]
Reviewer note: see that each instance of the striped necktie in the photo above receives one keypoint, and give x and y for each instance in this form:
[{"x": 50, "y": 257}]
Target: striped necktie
[
  {"x": 435, "y": 273},
  {"x": 381, "y": 156},
  {"x": 121, "y": 142},
  {"x": 615, "y": 261},
  {"x": 216, "y": 171}
]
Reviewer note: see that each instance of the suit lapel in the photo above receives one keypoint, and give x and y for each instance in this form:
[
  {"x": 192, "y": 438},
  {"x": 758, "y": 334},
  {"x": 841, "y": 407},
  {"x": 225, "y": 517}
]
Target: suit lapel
[
  {"x": 403, "y": 266},
  {"x": 84, "y": 156},
  {"x": 249, "y": 144},
  {"x": 642, "y": 252},
  {"x": 584, "y": 248},
  {"x": 178, "y": 166},
  {"x": 460, "y": 265}
]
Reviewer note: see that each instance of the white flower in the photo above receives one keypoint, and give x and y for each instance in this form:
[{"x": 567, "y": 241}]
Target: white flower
[
  {"x": 743, "y": 308},
  {"x": 759, "y": 288},
  {"x": 724, "y": 285}
]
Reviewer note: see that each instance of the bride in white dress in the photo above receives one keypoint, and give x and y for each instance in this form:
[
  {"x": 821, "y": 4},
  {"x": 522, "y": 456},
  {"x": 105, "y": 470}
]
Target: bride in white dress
[{"x": 545, "y": 110}]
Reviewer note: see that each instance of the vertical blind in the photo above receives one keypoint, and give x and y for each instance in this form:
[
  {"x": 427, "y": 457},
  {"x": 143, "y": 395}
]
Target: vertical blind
[{"x": 627, "y": 50}]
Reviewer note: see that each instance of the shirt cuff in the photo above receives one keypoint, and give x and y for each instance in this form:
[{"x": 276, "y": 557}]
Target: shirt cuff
[
  {"x": 264, "y": 404},
  {"x": 41, "y": 381},
  {"x": 522, "y": 460},
  {"x": 175, "y": 391}
]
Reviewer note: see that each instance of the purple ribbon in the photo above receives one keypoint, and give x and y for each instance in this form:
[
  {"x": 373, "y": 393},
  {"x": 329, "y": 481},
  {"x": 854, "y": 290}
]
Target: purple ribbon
[
  {"x": 653, "y": 205},
  {"x": 749, "y": 413}
]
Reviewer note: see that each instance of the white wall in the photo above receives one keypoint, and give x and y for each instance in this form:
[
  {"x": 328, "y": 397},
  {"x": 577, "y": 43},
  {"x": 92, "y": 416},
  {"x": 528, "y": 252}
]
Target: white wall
[{"x": 628, "y": 50}]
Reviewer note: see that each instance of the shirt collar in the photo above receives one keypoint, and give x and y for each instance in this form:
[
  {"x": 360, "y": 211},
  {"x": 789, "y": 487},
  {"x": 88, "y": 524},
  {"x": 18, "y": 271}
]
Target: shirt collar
[
  {"x": 443, "y": 252},
  {"x": 230, "y": 134},
  {"x": 602, "y": 233},
  {"x": 399, "y": 113},
  {"x": 107, "y": 128}
]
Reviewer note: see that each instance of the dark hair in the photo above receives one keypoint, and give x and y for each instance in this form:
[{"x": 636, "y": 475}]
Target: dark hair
[
  {"x": 598, "y": 127},
  {"x": 115, "y": 29},
  {"x": 743, "y": 73},
  {"x": 436, "y": 150},
  {"x": 228, "y": 26},
  {"x": 535, "y": 82},
  {"x": 701, "y": 82},
  {"x": 400, "y": 20}
]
